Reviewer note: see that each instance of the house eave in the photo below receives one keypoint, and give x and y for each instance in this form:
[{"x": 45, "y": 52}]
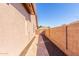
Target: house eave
[{"x": 29, "y": 7}]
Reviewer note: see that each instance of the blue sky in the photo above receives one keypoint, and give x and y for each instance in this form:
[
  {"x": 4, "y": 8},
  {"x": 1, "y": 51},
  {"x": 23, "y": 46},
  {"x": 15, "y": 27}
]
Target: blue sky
[{"x": 56, "y": 14}]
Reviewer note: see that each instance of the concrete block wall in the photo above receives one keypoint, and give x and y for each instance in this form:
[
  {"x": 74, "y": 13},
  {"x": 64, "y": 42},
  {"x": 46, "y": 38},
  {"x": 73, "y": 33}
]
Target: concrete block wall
[
  {"x": 73, "y": 38},
  {"x": 58, "y": 36},
  {"x": 47, "y": 33},
  {"x": 65, "y": 37}
]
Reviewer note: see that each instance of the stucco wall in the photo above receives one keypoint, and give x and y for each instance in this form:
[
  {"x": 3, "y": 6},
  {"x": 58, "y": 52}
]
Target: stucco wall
[{"x": 15, "y": 29}]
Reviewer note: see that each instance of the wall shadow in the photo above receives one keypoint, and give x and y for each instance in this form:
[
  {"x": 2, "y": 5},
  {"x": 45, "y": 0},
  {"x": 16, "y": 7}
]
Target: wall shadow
[
  {"x": 22, "y": 11},
  {"x": 53, "y": 50},
  {"x": 25, "y": 50}
]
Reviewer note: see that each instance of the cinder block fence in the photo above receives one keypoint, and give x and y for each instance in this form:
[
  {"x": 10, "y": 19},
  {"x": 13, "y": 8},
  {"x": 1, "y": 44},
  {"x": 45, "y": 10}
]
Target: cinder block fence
[{"x": 66, "y": 37}]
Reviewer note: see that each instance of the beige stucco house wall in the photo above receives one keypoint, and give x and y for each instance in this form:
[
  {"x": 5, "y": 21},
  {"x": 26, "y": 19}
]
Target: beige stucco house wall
[{"x": 17, "y": 27}]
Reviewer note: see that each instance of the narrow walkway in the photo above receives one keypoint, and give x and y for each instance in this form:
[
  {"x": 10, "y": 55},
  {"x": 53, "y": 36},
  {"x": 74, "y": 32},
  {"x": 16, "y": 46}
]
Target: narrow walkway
[
  {"x": 47, "y": 48},
  {"x": 41, "y": 48}
]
